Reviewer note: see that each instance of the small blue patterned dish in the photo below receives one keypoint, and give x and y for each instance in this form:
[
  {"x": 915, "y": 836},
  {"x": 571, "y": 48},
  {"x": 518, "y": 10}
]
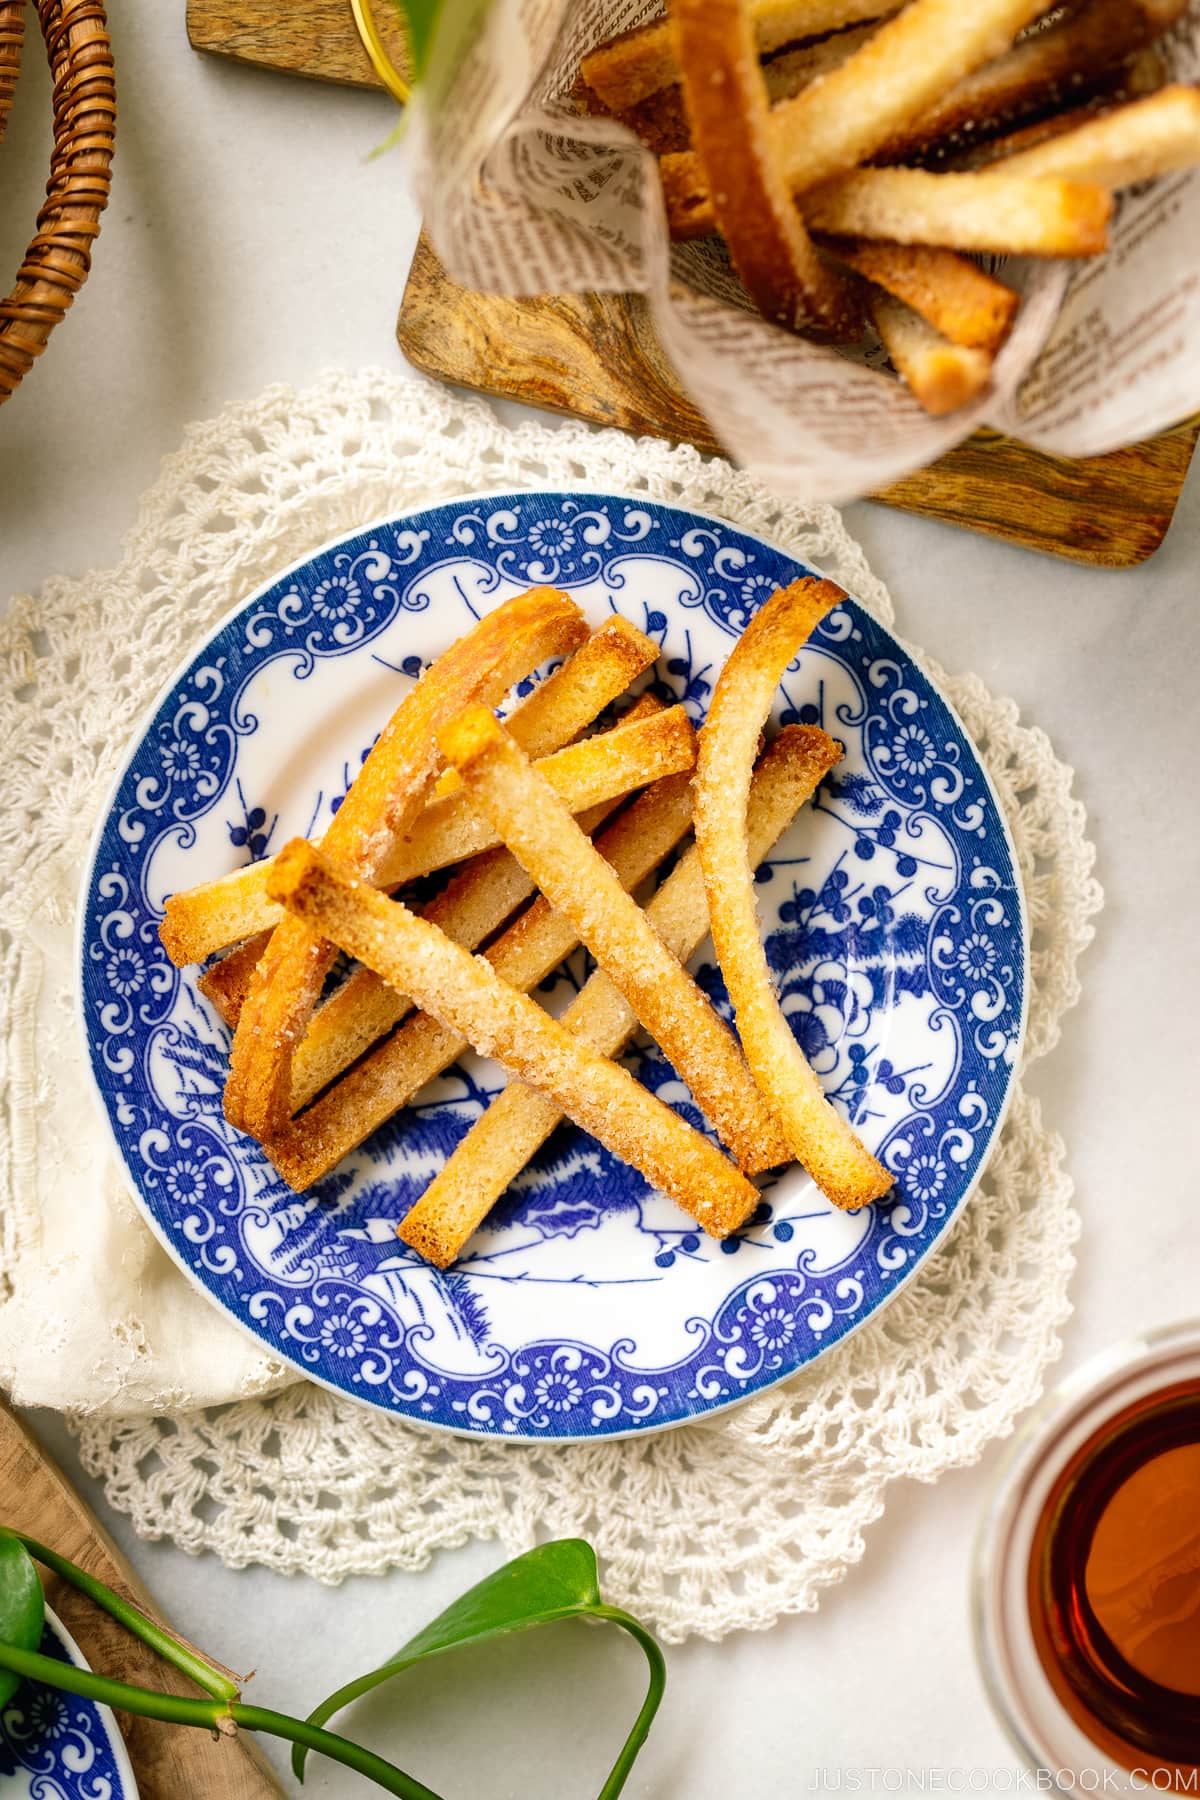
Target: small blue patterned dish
[
  {"x": 56, "y": 1746},
  {"x": 587, "y": 1306}
]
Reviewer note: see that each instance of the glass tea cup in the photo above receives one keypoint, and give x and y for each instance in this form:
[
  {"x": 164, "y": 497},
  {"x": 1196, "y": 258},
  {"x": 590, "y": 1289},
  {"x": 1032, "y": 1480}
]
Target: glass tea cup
[{"x": 1086, "y": 1580}]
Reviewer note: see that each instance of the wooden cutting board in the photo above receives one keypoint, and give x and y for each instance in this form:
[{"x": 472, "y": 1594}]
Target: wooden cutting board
[
  {"x": 317, "y": 38},
  {"x": 596, "y": 355},
  {"x": 171, "y": 1762}
]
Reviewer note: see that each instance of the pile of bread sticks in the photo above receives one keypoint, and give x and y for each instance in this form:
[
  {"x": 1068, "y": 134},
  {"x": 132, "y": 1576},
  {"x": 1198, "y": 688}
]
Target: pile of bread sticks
[
  {"x": 549, "y": 832},
  {"x": 854, "y": 154}
]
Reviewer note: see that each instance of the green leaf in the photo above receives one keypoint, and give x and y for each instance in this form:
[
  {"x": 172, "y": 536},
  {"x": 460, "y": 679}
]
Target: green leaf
[
  {"x": 550, "y": 1582},
  {"x": 555, "y": 1581},
  {"x": 438, "y": 34},
  {"x": 420, "y": 16},
  {"x": 22, "y": 1607}
]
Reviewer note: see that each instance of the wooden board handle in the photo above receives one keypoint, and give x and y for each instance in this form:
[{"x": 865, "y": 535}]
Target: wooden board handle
[
  {"x": 170, "y": 1761},
  {"x": 317, "y": 38}
]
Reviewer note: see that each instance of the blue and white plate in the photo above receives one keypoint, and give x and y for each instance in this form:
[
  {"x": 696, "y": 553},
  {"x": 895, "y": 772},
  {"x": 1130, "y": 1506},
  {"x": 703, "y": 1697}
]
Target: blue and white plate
[
  {"x": 56, "y": 1746},
  {"x": 588, "y": 1305}
]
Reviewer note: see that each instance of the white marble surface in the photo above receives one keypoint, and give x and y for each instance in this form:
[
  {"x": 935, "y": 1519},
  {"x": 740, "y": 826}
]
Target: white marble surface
[{"x": 249, "y": 243}]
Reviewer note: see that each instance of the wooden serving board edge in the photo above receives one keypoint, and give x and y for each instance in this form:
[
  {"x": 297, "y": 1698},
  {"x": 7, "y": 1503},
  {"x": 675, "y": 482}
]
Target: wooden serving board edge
[
  {"x": 314, "y": 38},
  {"x": 170, "y": 1761},
  {"x": 596, "y": 357}
]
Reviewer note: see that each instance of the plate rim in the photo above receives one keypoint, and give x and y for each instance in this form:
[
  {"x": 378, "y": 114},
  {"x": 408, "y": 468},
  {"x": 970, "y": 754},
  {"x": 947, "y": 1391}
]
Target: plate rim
[
  {"x": 137, "y": 736},
  {"x": 104, "y": 1712}
]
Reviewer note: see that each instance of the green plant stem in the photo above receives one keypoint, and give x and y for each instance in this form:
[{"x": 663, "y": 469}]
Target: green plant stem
[
  {"x": 338, "y": 1749},
  {"x": 189, "y": 1662},
  {"x": 212, "y": 1714},
  {"x": 619, "y": 1774},
  {"x": 174, "y": 1709}
]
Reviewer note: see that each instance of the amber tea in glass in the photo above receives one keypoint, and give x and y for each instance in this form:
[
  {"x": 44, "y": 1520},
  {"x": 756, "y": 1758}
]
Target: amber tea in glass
[{"x": 1088, "y": 1574}]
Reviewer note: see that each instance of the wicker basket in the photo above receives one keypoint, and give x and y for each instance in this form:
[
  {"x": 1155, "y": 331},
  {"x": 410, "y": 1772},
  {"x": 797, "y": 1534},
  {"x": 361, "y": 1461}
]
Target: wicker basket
[
  {"x": 12, "y": 30},
  {"x": 85, "y": 111}
]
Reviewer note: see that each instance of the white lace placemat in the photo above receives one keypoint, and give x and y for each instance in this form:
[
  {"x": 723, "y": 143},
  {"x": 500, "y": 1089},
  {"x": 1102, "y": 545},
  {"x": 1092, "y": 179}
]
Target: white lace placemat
[{"x": 196, "y": 1433}]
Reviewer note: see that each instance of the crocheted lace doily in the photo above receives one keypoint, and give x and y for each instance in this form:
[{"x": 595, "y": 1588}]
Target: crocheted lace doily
[{"x": 718, "y": 1526}]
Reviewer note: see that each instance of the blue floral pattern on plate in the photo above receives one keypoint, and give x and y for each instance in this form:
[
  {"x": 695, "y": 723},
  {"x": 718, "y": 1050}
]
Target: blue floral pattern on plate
[
  {"x": 587, "y": 1305},
  {"x": 56, "y": 1746}
]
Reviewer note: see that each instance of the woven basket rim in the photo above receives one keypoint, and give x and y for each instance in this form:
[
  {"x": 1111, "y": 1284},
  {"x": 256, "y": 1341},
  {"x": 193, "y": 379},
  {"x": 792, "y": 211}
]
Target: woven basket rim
[
  {"x": 12, "y": 33},
  {"x": 56, "y": 263}
]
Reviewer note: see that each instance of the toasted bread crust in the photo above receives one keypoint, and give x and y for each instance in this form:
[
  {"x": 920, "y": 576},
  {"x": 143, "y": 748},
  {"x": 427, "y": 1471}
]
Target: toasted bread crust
[
  {"x": 520, "y": 1119},
  {"x": 472, "y": 905},
  {"x": 942, "y": 375},
  {"x": 726, "y": 98},
  {"x": 383, "y": 801},
  {"x": 893, "y": 78},
  {"x": 1052, "y": 68},
  {"x": 582, "y": 775},
  {"x": 217, "y": 913},
  {"x": 1142, "y": 75},
  {"x": 825, "y": 1143},
  {"x": 226, "y": 984},
  {"x": 1132, "y": 143},
  {"x": 533, "y": 945},
  {"x": 1067, "y": 62},
  {"x": 1025, "y": 215},
  {"x": 638, "y": 63},
  {"x": 571, "y": 874},
  {"x": 953, "y": 294},
  {"x": 466, "y": 994},
  {"x": 661, "y": 122}
]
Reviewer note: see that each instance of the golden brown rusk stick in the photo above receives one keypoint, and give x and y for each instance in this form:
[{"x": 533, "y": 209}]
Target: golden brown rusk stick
[
  {"x": 794, "y": 67},
  {"x": 448, "y": 831},
  {"x": 595, "y": 769},
  {"x": 558, "y": 709},
  {"x": 473, "y": 904},
  {"x": 519, "y": 1120},
  {"x": 1037, "y": 72},
  {"x": 1022, "y": 214},
  {"x": 894, "y": 77},
  {"x": 686, "y": 197},
  {"x": 830, "y": 1150},
  {"x": 1048, "y": 69},
  {"x": 1142, "y": 75},
  {"x": 467, "y": 995},
  {"x": 543, "y": 836},
  {"x": 629, "y": 68},
  {"x": 781, "y": 268},
  {"x": 382, "y": 804},
  {"x": 1133, "y": 143},
  {"x": 573, "y": 696},
  {"x": 226, "y": 984},
  {"x": 943, "y": 376},
  {"x": 534, "y": 945},
  {"x": 950, "y": 292},
  {"x": 660, "y": 120},
  {"x": 485, "y": 893},
  {"x": 957, "y": 298},
  {"x": 203, "y": 919}
]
